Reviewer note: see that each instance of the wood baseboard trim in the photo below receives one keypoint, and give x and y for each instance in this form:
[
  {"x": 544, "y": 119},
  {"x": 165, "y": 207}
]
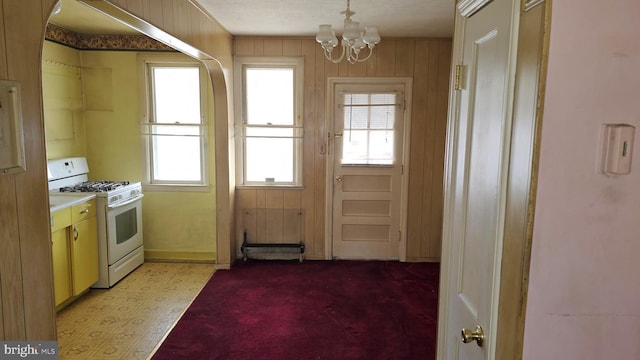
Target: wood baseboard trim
[
  {"x": 423, "y": 259},
  {"x": 190, "y": 256}
]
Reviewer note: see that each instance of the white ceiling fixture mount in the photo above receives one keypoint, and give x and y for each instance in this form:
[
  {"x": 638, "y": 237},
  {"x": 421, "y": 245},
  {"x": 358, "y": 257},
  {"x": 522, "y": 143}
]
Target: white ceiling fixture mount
[{"x": 353, "y": 39}]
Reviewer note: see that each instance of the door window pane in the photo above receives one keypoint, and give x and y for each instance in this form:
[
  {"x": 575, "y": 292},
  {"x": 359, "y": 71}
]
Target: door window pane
[{"x": 368, "y": 129}]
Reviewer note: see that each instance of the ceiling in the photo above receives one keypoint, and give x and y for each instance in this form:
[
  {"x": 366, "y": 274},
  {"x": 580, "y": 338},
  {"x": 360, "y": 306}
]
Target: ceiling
[
  {"x": 400, "y": 18},
  {"x": 80, "y": 18}
]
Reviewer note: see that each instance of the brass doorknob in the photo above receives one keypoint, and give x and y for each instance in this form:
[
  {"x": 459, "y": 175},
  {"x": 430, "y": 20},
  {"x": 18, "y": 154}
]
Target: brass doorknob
[
  {"x": 470, "y": 336},
  {"x": 339, "y": 178}
]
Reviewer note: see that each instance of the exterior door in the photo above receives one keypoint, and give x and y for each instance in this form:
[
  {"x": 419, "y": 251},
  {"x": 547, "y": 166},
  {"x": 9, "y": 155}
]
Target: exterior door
[
  {"x": 367, "y": 171},
  {"x": 476, "y": 173}
]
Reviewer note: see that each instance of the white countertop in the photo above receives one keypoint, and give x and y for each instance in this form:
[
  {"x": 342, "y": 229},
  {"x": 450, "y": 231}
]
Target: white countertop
[{"x": 59, "y": 201}]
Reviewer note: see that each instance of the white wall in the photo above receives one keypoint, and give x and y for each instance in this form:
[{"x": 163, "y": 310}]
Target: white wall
[{"x": 584, "y": 291}]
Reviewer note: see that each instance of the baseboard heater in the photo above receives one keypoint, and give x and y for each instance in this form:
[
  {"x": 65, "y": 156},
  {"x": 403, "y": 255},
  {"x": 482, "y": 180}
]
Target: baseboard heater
[{"x": 272, "y": 251}]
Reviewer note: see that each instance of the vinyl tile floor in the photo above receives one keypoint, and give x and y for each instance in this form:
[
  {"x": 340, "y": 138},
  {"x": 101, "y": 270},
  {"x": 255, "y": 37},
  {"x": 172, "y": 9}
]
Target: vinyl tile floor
[{"x": 129, "y": 320}]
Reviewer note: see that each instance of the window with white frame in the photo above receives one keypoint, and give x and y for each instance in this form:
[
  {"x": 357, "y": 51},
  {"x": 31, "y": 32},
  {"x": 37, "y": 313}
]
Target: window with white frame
[
  {"x": 269, "y": 121},
  {"x": 176, "y": 128}
]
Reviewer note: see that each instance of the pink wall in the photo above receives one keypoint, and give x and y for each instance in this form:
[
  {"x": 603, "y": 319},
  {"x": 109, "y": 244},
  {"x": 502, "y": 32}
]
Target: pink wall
[{"x": 584, "y": 291}]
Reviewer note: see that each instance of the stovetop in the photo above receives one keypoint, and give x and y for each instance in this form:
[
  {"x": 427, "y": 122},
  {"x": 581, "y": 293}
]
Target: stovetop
[
  {"x": 95, "y": 186},
  {"x": 69, "y": 175}
]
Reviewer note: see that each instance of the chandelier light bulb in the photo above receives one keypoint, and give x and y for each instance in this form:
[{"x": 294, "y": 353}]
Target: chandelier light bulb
[
  {"x": 324, "y": 34},
  {"x": 351, "y": 31},
  {"x": 334, "y": 40},
  {"x": 358, "y": 44},
  {"x": 371, "y": 36}
]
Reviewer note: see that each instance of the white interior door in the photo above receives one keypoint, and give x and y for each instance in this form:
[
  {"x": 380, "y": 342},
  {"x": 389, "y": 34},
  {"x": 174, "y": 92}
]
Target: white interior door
[
  {"x": 475, "y": 186},
  {"x": 367, "y": 171}
]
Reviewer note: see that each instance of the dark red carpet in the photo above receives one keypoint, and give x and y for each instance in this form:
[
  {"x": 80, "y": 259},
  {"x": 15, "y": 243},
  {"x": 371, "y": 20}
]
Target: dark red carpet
[{"x": 314, "y": 310}]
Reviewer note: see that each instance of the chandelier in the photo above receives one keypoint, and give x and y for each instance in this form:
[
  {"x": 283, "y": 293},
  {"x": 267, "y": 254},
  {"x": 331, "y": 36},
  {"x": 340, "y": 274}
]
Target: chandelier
[{"x": 353, "y": 39}]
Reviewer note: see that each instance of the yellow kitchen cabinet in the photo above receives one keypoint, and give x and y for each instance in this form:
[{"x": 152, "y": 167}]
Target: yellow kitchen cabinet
[
  {"x": 84, "y": 255},
  {"x": 74, "y": 238}
]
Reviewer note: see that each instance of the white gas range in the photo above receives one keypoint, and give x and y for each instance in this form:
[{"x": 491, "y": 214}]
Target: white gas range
[{"x": 119, "y": 213}]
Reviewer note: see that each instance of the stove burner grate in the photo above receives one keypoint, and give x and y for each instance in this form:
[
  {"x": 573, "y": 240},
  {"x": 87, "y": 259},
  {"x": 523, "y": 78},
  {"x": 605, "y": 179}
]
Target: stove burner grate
[{"x": 95, "y": 186}]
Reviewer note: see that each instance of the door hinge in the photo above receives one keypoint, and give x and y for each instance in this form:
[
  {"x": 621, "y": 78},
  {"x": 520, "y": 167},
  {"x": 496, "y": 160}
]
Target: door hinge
[
  {"x": 458, "y": 78},
  {"x": 399, "y": 235},
  {"x": 401, "y": 169}
]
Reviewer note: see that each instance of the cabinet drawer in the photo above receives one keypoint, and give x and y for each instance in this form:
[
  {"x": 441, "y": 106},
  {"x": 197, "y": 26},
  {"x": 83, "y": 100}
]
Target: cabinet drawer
[
  {"x": 60, "y": 219},
  {"x": 83, "y": 211}
]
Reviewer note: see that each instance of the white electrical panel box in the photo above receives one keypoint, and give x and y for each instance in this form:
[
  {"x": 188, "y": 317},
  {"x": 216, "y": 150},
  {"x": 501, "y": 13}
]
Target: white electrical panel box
[{"x": 617, "y": 148}]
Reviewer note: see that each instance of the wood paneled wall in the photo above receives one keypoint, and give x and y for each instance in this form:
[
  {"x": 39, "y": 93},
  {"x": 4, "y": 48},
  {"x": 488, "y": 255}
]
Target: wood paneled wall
[
  {"x": 27, "y": 305},
  {"x": 183, "y": 19},
  {"x": 428, "y": 62}
]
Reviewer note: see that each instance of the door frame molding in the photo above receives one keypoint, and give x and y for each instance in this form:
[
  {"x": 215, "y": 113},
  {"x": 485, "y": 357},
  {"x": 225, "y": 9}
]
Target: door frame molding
[{"x": 332, "y": 82}]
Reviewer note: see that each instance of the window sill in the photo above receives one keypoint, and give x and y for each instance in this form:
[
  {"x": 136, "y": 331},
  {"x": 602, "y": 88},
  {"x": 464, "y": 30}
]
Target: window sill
[
  {"x": 175, "y": 188},
  {"x": 258, "y": 187}
]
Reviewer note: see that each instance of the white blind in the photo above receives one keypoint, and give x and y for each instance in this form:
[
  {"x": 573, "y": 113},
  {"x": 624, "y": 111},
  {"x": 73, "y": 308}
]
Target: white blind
[{"x": 368, "y": 127}]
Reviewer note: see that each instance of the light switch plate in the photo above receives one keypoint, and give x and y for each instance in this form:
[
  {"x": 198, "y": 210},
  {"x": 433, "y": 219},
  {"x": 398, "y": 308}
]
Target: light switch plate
[{"x": 617, "y": 149}]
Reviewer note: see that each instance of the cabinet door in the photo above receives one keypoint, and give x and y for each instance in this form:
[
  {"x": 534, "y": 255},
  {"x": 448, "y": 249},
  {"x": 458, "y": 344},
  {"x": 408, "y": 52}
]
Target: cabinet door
[
  {"x": 61, "y": 268},
  {"x": 84, "y": 254}
]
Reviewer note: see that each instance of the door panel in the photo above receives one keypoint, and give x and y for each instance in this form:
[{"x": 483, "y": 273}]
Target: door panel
[
  {"x": 476, "y": 183},
  {"x": 365, "y": 207},
  {"x": 381, "y": 182},
  {"x": 366, "y": 217}
]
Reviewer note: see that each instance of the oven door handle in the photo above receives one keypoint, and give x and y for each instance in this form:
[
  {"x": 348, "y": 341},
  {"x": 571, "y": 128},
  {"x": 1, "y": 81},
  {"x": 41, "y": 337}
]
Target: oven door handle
[{"x": 123, "y": 203}]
